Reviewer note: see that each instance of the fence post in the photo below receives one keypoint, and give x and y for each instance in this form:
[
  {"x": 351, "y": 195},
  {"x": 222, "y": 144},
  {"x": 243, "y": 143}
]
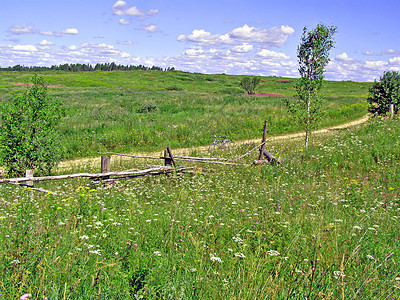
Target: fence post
[
  {"x": 105, "y": 165},
  {"x": 264, "y": 138},
  {"x": 29, "y": 183},
  {"x": 391, "y": 110}
]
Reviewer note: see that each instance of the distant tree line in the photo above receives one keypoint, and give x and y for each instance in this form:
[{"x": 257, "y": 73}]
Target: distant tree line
[{"x": 85, "y": 67}]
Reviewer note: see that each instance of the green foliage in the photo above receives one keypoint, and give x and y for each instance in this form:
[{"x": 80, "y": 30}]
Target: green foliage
[
  {"x": 321, "y": 226},
  {"x": 28, "y": 139},
  {"x": 101, "y": 108},
  {"x": 313, "y": 57},
  {"x": 250, "y": 84},
  {"x": 384, "y": 93}
]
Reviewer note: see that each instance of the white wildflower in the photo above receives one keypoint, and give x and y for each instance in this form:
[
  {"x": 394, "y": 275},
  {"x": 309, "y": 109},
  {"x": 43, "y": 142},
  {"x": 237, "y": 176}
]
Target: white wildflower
[
  {"x": 273, "y": 253},
  {"x": 240, "y": 254}
]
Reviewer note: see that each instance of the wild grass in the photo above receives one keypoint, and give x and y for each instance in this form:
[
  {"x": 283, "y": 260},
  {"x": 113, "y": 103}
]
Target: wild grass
[
  {"x": 323, "y": 225},
  {"x": 148, "y": 110}
]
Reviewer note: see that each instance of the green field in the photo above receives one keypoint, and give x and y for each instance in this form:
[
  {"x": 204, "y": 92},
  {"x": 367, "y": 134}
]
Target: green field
[
  {"x": 324, "y": 224},
  {"x": 147, "y": 110}
]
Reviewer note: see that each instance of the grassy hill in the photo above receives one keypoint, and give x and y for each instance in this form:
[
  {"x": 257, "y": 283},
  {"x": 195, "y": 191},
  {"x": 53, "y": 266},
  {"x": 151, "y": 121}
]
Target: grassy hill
[{"x": 129, "y": 111}]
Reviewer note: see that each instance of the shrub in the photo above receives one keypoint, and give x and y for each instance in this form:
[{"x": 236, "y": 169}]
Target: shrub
[
  {"x": 250, "y": 84},
  {"x": 28, "y": 139},
  {"x": 384, "y": 93},
  {"x": 147, "y": 107}
]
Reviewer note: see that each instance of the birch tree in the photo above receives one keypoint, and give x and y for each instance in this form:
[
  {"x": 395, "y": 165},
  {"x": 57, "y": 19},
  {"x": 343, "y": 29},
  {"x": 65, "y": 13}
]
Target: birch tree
[{"x": 313, "y": 57}]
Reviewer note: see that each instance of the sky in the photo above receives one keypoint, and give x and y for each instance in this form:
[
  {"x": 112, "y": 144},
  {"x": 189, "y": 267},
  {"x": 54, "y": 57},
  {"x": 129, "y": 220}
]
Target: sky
[{"x": 252, "y": 37}]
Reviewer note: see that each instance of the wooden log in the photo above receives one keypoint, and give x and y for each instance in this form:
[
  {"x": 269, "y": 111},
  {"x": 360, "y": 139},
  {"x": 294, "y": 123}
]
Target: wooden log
[
  {"x": 132, "y": 156},
  {"x": 170, "y": 155},
  {"x": 89, "y": 175},
  {"x": 391, "y": 110},
  {"x": 264, "y": 138},
  {"x": 29, "y": 183},
  {"x": 105, "y": 165}
]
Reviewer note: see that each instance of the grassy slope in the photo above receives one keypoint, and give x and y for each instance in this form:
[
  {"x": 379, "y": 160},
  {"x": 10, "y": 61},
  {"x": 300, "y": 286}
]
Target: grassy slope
[
  {"x": 325, "y": 226},
  {"x": 105, "y": 109}
]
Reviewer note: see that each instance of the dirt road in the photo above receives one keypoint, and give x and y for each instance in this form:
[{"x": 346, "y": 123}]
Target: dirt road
[{"x": 95, "y": 161}]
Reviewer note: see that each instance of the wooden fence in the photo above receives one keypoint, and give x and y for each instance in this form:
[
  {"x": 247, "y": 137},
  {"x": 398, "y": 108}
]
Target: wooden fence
[{"x": 169, "y": 159}]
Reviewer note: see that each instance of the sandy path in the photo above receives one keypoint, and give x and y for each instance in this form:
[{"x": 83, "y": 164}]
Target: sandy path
[{"x": 95, "y": 161}]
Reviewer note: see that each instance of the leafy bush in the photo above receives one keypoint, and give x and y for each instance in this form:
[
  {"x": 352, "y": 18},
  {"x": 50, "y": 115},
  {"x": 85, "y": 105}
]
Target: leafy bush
[
  {"x": 28, "y": 139},
  {"x": 174, "y": 88},
  {"x": 384, "y": 93},
  {"x": 148, "y": 107},
  {"x": 250, "y": 84}
]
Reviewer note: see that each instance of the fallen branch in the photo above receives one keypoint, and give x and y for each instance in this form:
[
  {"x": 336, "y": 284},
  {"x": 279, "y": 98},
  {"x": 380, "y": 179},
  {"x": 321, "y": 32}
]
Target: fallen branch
[{"x": 90, "y": 175}]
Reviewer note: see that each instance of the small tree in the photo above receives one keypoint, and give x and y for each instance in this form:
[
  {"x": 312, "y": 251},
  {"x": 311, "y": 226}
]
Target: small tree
[
  {"x": 384, "y": 93},
  {"x": 28, "y": 139},
  {"x": 313, "y": 57},
  {"x": 250, "y": 84}
]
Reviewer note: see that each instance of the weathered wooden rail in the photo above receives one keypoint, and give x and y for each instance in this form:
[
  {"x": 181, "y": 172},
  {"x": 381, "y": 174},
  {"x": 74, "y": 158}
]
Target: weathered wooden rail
[{"x": 169, "y": 166}]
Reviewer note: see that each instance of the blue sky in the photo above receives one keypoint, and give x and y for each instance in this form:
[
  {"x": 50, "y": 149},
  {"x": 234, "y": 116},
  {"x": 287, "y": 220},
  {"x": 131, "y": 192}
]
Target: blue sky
[{"x": 255, "y": 37}]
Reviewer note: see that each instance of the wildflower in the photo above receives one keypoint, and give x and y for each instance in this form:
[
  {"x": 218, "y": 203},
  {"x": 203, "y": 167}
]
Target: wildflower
[
  {"x": 157, "y": 253},
  {"x": 26, "y": 296},
  {"x": 84, "y": 237},
  {"x": 127, "y": 243},
  {"x": 215, "y": 258},
  {"x": 240, "y": 254},
  {"x": 16, "y": 262},
  {"x": 95, "y": 252},
  {"x": 338, "y": 274},
  {"x": 237, "y": 239},
  {"x": 357, "y": 227},
  {"x": 370, "y": 257},
  {"x": 273, "y": 253}
]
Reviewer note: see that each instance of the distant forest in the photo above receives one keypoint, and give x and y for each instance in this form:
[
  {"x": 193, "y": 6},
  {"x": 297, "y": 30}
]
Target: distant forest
[{"x": 85, "y": 67}]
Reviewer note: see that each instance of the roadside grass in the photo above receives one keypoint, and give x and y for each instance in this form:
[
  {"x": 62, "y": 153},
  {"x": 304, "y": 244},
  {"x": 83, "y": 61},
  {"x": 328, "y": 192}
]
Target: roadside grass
[
  {"x": 324, "y": 224},
  {"x": 137, "y": 111}
]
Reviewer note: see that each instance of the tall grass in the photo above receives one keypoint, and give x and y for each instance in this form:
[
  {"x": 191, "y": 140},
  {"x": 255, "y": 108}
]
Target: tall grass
[
  {"x": 323, "y": 225},
  {"x": 148, "y": 110}
]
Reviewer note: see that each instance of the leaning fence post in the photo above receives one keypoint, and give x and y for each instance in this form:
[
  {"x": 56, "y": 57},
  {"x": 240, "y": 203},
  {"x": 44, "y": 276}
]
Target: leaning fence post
[
  {"x": 391, "y": 110},
  {"x": 264, "y": 138},
  {"x": 105, "y": 165},
  {"x": 29, "y": 183}
]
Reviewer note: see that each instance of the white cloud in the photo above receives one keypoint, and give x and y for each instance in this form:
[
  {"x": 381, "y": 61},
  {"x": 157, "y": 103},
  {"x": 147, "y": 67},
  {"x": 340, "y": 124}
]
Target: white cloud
[
  {"x": 395, "y": 61},
  {"x": 124, "y": 22},
  {"x": 204, "y": 37},
  {"x": 244, "y": 48},
  {"x": 152, "y": 12},
  {"x": 120, "y": 9},
  {"x": 273, "y": 55},
  {"x": 343, "y": 57},
  {"x": 72, "y": 31},
  {"x": 46, "y": 43},
  {"x": 29, "y": 48},
  {"x": 269, "y": 37},
  {"x": 391, "y": 51},
  {"x": 150, "y": 28},
  {"x": 24, "y": 29},
  {"x": 18, "y": 30}
]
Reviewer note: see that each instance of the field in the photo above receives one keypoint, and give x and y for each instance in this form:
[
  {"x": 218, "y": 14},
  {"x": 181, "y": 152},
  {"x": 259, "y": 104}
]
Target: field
[
  {"x": 149, "y": 110},
  {"x": 322, "y": 225}
]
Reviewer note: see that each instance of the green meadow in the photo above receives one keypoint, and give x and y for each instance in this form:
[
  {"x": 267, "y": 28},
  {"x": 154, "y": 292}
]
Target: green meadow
[
  {"x": 324, "y": 224},
  {"x": 143, "y": 111}
]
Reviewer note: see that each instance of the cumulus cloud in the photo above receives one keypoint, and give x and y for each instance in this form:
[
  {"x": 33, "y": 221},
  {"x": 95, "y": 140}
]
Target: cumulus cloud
[
  {"x": 120, "y": 8},
  {"x": 343, "y": 57},
  {"x": 150, "y": 28},
  {"x": 124, "y": 22},
  {"x": 24, "y": 29},
  {"x": 273, "y": 55},
  {"x": 25, "y": 48},
  {"x": 244, "y": 48},
  {"x": 275, "y": 36},
  {"x": 72, "y": 31},
  {"x": 46, "y": 43}
]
